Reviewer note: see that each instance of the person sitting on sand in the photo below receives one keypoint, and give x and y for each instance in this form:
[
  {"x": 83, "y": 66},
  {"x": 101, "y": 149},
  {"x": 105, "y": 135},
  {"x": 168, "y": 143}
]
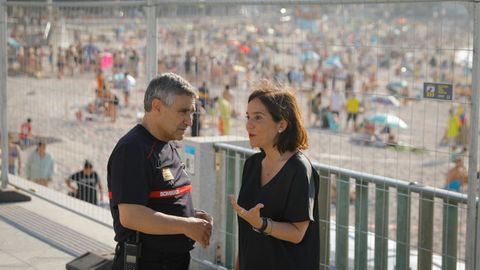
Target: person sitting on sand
[
  {"x": 391, "y": 140},
  {"x": 367, "y": 135},
  {"x": 457, "y": 176},
  {"x": 368, "y": 130},
  {"x": 390, "y": 137}
]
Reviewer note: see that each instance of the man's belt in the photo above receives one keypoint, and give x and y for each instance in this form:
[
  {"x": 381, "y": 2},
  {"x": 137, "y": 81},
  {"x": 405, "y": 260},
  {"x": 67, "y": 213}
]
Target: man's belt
[{"x": 159, "y": 194}]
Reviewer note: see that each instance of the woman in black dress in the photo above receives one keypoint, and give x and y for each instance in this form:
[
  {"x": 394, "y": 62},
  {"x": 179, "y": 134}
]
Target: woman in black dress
[{"x": 277, "y": 206}]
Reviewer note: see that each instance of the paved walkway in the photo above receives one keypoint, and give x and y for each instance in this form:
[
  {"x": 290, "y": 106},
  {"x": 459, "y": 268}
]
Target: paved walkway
[{"x": 41, "y": 235}]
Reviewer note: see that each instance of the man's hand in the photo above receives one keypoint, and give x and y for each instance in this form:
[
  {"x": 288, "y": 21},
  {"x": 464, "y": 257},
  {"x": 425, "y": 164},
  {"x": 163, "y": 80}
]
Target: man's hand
[
  {"x": 199, "y": 230},
  {"x": 204, "y": 215}
]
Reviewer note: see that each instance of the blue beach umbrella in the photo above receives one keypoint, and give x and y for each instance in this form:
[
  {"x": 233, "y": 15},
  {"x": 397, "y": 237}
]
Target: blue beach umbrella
[
  {"x": 396, "y": 86},
  {"x": 387, "y": 120},
  {"x": 335, "y": 61},
  {"x": 13, "y": 43},
  {"x": 386, "y": 100},
  {"x": 309, "y": 55}
]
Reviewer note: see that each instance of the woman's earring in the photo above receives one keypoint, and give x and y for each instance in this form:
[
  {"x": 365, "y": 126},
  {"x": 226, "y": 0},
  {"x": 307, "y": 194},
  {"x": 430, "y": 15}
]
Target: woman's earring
[{"x": 279, "y": 131}]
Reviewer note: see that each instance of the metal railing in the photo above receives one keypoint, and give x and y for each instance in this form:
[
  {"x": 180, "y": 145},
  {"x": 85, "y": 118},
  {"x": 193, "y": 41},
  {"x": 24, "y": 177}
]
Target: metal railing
[
  {"x": 99, "y": 214},
  {"x": 383, "y": 185}
]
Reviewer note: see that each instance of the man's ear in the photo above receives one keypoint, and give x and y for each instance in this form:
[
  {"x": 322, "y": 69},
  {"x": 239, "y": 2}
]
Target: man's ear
[{"x": 157, "y": 105}]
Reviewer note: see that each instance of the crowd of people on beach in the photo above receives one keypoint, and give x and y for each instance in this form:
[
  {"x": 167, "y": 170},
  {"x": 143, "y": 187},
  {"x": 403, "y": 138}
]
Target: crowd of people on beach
[{"x": 340, "y": 84}]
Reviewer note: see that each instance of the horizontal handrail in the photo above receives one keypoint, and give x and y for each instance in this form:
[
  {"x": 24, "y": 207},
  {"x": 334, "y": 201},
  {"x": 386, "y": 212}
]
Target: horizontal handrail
[
  {"x": 376, "y": 179},
  {"x": 222, "y": 2},
  {"x": 78, "y": 4}
]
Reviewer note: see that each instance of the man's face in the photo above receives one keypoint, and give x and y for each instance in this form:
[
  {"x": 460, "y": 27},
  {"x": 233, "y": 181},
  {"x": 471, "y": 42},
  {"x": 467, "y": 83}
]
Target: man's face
[
  {"x": 42, "y": 149},
  {"x": 173, "y": 121},
  {"x": 87, "y": 170},
  {"x": 459, "y": 162}
]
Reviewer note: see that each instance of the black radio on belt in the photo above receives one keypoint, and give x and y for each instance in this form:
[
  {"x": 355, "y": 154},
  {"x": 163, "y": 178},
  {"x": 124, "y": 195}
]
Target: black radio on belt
[{"x": 132, "y": 252}]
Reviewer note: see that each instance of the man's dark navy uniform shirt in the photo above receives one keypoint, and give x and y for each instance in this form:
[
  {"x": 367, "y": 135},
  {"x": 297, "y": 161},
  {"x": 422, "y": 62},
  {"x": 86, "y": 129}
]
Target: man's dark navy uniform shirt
[{"x": 139, "y": 165}]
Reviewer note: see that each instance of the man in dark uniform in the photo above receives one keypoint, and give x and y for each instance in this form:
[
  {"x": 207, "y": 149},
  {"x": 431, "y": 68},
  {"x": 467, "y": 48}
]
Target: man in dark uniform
[
  {"x": 87, "y": 181},
  {"x": 148, "y": 187}
]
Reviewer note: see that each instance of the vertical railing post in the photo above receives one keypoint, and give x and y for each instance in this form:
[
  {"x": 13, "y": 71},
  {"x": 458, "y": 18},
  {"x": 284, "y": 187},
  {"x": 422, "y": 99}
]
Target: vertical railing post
[
  {"x": 324, "y": 219},
  {"x": 472, "y": 245},
  {"x": 231, "y": 220},
  {"x": 3, "y": 93},
  {"x": 450, "y": 235},
  {"x": 361, "y": 225},
  {"x": 425, "y": 232},
  {"x": 341, "y": 234},
  {"x": 151, "y": 58},
  {"x": 381, "y": 226},
  {"x": 221, "y": 207},
  {"x": 403, "y": 229}
]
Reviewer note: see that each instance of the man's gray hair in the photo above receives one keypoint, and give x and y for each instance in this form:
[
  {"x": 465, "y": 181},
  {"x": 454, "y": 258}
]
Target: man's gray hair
[{"x": 167, "y": 87}]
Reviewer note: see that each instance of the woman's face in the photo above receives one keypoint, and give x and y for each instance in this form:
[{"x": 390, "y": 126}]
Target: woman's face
[{"x": 262, "y": 130}]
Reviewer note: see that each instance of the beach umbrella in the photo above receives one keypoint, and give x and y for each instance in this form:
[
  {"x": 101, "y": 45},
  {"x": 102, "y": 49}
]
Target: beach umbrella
[
  {"x": 386, "y": 100},
  {"x": 244, "y": 49},
  {"x": 306, "y": 24},
  {"x": 239, "y": 68},
  {"x": 251, "y": 28},
  {"x": 396, "y": 86},
  {"x": 309, "y": 55},
  {"x": 334, "y": 61},
  {"x": 131, "y": 80},
  {"x": 387, "y": 120},
  {"x": 119, "y": 77},
  {"x": 464, "y": 57},
  {"x": 306, "y": 45},
  {"x": 13, "y": 43},
  {"x": 402, "y": 21},
  {"x": 106, "y": 60},
  {"x": 233, "y": 42}
]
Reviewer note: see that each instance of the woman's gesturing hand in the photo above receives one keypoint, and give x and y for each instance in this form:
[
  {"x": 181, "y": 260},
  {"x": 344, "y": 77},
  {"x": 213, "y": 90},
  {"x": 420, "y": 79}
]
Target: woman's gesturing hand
[{"x": 252, "y": 216}]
